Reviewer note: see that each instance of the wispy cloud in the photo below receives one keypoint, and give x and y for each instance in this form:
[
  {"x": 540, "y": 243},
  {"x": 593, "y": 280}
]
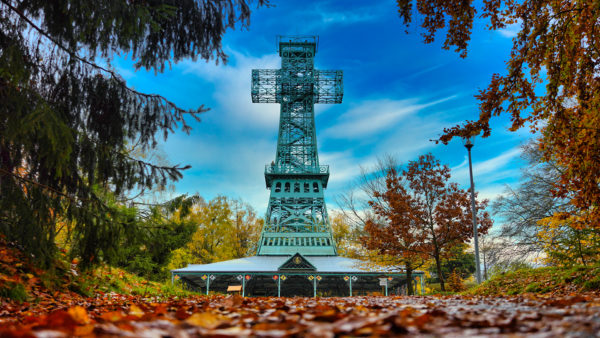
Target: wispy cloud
[
  {"x": 490, "y": 174},
  {"x": 323, "y": 15},
  {"x": 374, "y": 116},
  {"x": 348, "y": 17}
]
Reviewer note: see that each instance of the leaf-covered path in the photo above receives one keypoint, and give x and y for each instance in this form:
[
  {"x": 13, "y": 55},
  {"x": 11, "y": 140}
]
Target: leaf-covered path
[{"x": 217, "y": 316}]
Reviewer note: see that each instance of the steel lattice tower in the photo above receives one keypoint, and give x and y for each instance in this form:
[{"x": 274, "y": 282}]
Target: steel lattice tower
[{"x": 296, "y": 220}]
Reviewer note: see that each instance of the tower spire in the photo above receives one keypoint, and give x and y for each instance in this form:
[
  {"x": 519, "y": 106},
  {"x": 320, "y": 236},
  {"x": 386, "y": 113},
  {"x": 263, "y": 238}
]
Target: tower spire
[{"x": 296, "y": 220}]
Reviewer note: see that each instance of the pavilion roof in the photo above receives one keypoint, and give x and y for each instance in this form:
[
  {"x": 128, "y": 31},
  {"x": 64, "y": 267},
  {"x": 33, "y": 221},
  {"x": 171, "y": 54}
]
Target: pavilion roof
[{"x": 323, "y": 264}]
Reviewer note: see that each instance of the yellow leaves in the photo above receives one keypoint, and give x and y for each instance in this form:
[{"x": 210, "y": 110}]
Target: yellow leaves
[
  {"x": 79, "y": 315},
  {"x": 226, "y": 227},
  {"x": 136, "y": 311},
  {"x": 565, "y": 241},
  {"x": 205, "y": 319}
]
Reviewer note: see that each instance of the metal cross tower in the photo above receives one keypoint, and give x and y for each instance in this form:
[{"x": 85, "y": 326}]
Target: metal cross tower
[{"x": 296, "y": 220}]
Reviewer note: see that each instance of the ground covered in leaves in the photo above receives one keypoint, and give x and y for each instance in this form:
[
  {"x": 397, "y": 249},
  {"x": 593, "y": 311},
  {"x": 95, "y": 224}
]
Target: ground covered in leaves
[
  {"x": 234, "y": 316},
  {"x": 110, "y": 302}
]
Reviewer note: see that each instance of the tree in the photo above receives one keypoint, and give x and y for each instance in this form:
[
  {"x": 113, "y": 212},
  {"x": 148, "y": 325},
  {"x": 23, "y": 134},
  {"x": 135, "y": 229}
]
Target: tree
[
  {"x": 346, "y": 236},
  {"x": 567, "y": 245},
  {"x": 534, "y": 224},
  {"x": 66, "y": 117},
  {"x": 458, "y": 260},
  {"x": 522, "y": 208},
  {"x": 246, "y": 229},
  {"x": 159, "y": 231},
  {"x": 551, "y": 84},
  {"x": 455, "y": 282},
  {"x": 224, "y": 229},
  {"x": 496, "y": 251},
  {"x": 423, "y": 212}
]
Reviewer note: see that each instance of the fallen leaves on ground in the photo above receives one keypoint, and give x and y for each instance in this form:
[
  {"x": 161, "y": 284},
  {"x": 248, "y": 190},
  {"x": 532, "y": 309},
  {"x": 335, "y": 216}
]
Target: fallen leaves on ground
[{"x": 234, "y": 316}]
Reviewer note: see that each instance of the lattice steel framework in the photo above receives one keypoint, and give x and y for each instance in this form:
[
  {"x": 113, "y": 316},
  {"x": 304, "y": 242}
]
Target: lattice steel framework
[{"x": 296, "y": 219}]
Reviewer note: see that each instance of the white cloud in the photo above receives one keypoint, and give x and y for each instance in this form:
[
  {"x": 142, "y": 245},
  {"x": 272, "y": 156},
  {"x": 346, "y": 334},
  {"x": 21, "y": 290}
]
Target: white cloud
[
  {"x": 344, "y": 166},
  {"x": 511, "y": 30},
  {"x": 374, "y": 116},
  {"x": 232, "y": 90},
  {"x": 489, "y": 175},
  {"x": 491, "y": 192},
  {"x": 229, "y": 149},
  {"x": 233, "y": 166}
]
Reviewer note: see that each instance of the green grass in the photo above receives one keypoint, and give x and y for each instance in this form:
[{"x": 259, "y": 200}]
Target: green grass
[
  {"x": 542, "y": 280},
  {"x": 14, "y": 291}
]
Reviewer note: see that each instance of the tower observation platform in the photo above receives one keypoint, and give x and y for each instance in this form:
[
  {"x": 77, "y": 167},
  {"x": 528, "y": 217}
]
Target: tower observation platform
[{"x": 296, "y": 248}]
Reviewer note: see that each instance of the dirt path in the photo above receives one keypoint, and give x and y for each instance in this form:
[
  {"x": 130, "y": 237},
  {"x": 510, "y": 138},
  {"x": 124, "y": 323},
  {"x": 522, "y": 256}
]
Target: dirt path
[{"x": 216, "y": 316}]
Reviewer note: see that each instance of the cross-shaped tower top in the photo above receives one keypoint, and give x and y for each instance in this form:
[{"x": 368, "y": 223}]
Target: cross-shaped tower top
[{"x": 297, "y": 217}]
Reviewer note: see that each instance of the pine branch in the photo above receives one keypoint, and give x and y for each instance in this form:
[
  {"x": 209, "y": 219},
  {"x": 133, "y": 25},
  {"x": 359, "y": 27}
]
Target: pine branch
[{"x": 113, "y": 75}]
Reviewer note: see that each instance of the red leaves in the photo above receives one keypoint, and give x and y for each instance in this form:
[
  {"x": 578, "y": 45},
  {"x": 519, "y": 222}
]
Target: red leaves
[{"x": 327, "y": 317}]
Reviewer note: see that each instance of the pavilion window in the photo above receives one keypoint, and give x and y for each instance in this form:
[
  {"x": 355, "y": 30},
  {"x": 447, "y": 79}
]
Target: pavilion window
[
  {"x": 278, "y": 187},
  {"x": 315, "y": 187},
  {"x": 306, "y": 187},
  {"x": 296, "y": 187},
  {"x": 287, "y": 187}
]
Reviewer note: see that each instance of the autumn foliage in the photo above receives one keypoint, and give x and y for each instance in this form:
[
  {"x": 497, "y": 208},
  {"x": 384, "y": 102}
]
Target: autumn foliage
[
  {"x": 234, "y": 316},
  {"x": 63, "y": 313},
  {"x": 421, "y": 214},
  {"x": 551, "y": 84}
]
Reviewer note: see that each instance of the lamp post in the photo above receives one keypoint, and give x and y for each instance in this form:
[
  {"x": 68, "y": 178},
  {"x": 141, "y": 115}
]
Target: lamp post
[{"x": 469, "y": 145}]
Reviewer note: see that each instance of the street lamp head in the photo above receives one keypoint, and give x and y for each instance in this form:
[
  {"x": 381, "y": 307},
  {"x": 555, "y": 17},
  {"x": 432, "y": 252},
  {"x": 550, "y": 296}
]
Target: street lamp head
[{"x": 468, "y": 141}]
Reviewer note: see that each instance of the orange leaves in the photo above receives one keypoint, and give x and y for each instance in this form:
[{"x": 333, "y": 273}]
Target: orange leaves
[
  {"x": 79, "y": 315},
  {"x": 356, "y": 316},
  {"x": 206, "y": 320},
  {"x": 112, "y": 316},
  {"x": 420, "y": 213},
  {"x": 551, "y": 83}
]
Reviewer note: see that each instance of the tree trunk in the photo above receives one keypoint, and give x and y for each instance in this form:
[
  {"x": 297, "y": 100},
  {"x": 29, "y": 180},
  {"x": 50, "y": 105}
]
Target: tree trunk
[
  {"x": 438, "y": 265},
  {"x": 409, "y": 284},
  {"x": 484, "y": 268}
]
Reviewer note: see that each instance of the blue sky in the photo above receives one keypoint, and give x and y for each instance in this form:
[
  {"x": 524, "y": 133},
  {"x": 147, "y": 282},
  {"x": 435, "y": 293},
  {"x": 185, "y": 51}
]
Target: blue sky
[{"x": 399, "y": 93}]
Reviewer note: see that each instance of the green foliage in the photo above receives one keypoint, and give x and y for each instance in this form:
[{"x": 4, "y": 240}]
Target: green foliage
[
  {"x": 107, "y": 279},
  {"x": 508, "y": 266},
  {"x": 458, "y": 260},
  {"x": 164, "y": 229},
  {"x": 66, "y": 122},
  {"x": 14, "y": 291},
  {"x": 225, "y": 229}
]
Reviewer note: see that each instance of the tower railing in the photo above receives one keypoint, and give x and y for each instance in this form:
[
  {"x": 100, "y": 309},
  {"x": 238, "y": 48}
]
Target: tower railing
[{"x": 290, "y": 169}]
